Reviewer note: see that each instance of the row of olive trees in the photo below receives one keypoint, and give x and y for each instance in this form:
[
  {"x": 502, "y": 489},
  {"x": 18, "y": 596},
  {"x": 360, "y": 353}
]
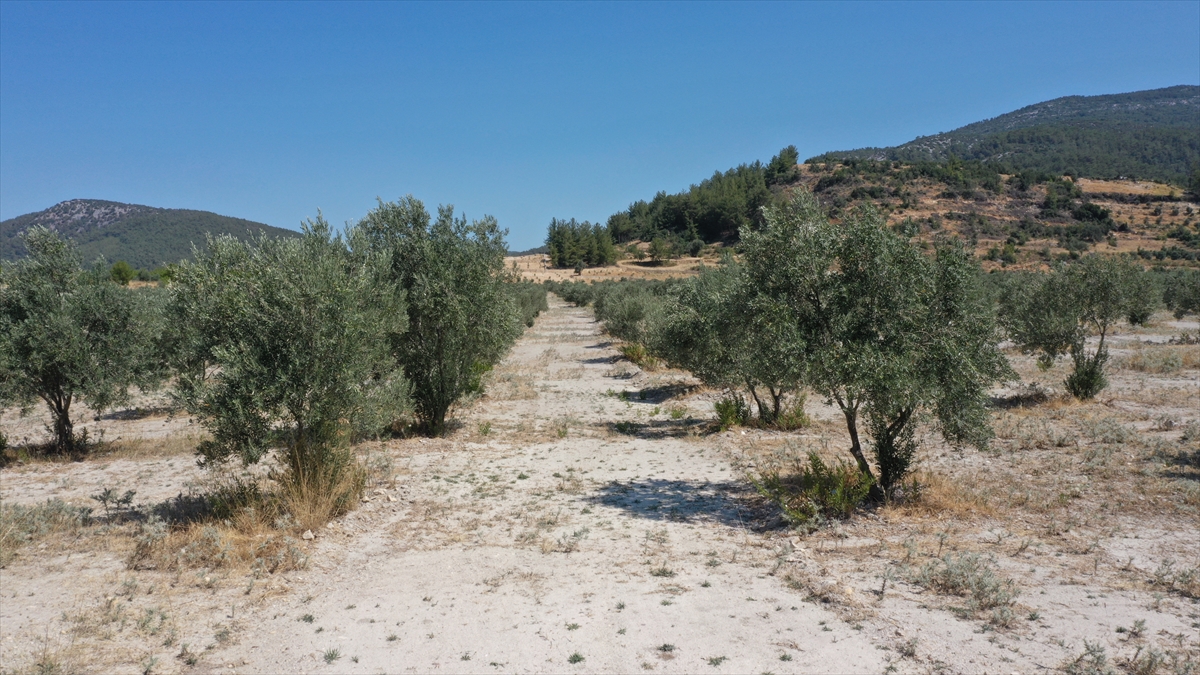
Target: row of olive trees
[
  {"x": 870, "y": 321},
  {"x": 303, "y": 344}
]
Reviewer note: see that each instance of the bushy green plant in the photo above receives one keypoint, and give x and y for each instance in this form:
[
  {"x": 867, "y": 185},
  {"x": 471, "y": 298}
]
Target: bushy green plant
[
  {"x": 815, "y": 491},
  {"x": 732, "y": 411},
  {"x": 880, "y": 328},
  {"x": 122, "y": 273},
  {"x": 460, "y": 318},
  {"x": 1181, "y": 293},
  {"x": 529, "y": 299},
  {"x": 288, "y": 342},
  {"x": 67, "y": 334}
]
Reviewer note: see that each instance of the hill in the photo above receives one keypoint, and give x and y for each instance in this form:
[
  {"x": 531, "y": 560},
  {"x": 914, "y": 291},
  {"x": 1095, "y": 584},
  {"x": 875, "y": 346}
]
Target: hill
[
  {"x": 143, "y": 236},
  {"x": 1149, "y": 135}
]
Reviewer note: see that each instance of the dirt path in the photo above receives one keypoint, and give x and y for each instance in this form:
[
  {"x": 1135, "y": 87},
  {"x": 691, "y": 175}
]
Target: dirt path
[{"x": 553, "y": 535}]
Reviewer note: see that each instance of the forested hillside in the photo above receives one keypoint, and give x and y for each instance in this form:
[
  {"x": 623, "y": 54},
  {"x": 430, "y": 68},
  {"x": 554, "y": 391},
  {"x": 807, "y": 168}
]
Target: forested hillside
[
  {"x": 1151, "y": 135},
  {"x": 1049, "y": 180},
  {"x": 143, "y": 236}
]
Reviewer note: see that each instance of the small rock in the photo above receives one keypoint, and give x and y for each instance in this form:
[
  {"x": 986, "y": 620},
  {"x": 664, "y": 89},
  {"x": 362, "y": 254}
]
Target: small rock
[
  {"x": 391, "y": 498},
  {"x": 366, "y": 500},
  {"x": 308, "y": 535}
]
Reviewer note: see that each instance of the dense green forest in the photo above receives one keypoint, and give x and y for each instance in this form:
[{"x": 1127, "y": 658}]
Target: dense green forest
[
  {"x": 1153, "y": 135},
  {"x": 143, "y": 236},
  {"x": 574, "y": 244},
  {"x": 711, "y": 210}
]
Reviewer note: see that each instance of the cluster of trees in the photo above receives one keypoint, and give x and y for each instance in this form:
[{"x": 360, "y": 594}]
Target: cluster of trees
[
  {"x": 853, "y": 312},
  {"x": 712, "y": 210},
  {"x": 573, "y": 244},
  {"x": 860, "y": 315},
  {"x": 303, "y": 344}
]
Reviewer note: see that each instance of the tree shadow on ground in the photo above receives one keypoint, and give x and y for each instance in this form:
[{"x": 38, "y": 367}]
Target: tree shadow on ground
[
  {"x": 730, "y": 503},
  {"x": 599, "y": 345},
  {"x": 666, "y": 392},
  {"x": 136, "y": 413},
  {"x": 658, "y": 429},
  {"x": 600, "y": 359}
]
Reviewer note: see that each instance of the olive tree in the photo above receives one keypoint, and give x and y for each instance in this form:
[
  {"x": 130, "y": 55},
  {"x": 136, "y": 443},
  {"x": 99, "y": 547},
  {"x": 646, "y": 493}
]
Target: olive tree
[
  {"x": 286, "y": 342},
  {"x": 461, "y": 320},
  {"x": 1181, "y": 293},
  {"x": 67, "y": 335},
  {"x": 718, "y": 328},
  {"x": 885, "y": 331},
  {"x": 1054, "y": 314}
]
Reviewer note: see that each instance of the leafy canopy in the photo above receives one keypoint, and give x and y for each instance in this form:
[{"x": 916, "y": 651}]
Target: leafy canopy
[
  {"x": 1054, "y": 314},
  {"x": 461, "y": 319},
  {"x": 887, "y": 332},
  {"x": 68, "y": 334},
  {"x": 288, "y": 342}
]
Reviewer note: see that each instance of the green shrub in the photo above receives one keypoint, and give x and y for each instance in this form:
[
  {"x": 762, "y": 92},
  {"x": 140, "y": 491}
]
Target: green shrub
[
  {"x": 732, "y": 411},
  {"x": 530, "y": 300},
  {"x": 638, "y": 355},
  {"x": 815, "y": 491},
  {"x": 970, "y": 575}
]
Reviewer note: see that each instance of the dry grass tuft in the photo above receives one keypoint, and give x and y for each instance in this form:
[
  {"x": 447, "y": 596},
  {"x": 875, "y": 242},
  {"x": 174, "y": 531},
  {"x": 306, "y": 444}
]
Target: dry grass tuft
[
  {"x": 934, "y": 495},
  {"x": 21, "y": 525},
  {"x": 1162, "y": 360}
]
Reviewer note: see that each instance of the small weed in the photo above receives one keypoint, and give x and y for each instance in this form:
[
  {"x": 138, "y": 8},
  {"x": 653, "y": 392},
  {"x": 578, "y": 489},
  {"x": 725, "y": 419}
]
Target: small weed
[
  {"x": 1093, "y": 661},
  {"x": 785, "y": 657},
  {"x": 575, "y": 658},
  {"x": 666, "y": 648},
  {"x": 620, "y": 606},
  {"x": 717, "y": 660},
  {"x": 393, "y": 637},
  {"x": 485, "y": 428},
  {"x": 663, "y": 571},
  {"x": 308, "y": 618},
  {"x": 332, "y": 655},
  {"x": 111, "y": 501},
  {"x": 705, "y": 584},
  {"x": 465, "y": 657},
  {"x": 572, "y": 626},
  {"x": 621, "y": 631},
  {"x": 522, "y": 476}
]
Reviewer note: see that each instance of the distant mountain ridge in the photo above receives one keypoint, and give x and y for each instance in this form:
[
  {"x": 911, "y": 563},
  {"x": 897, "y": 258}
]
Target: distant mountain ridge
[
  {"x": 1153, "y": 134},
  {"x": 143, "y": 236}
]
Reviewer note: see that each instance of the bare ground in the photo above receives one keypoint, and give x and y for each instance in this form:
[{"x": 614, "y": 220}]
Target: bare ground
[{"x": 584, "y": 517}]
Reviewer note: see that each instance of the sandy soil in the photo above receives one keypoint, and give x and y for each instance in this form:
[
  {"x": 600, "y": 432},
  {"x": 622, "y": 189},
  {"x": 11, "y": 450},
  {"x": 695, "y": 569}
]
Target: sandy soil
[{"x": 583, "y": 517}]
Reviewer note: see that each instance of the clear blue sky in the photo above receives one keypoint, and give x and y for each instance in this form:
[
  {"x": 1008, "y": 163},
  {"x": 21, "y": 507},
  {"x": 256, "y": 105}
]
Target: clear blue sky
[{"x": 523, "y": 111}]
